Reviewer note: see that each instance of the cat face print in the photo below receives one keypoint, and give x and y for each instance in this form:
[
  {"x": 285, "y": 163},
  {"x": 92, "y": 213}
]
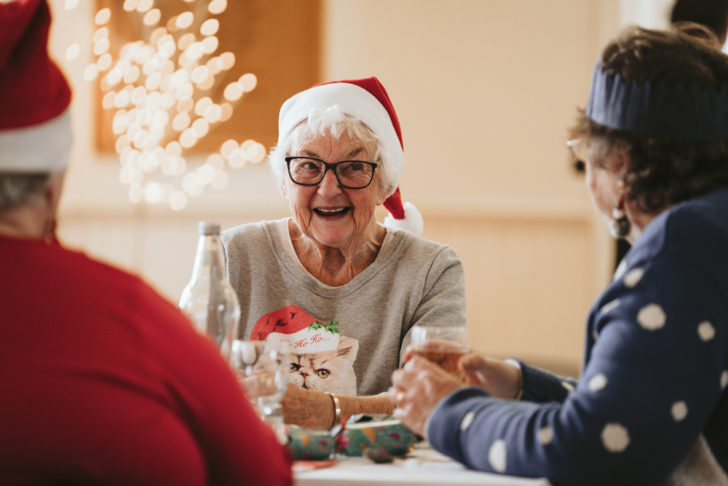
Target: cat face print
[
  {"x": 320, "y": 357},
  {"x": 326, "y": 371}
]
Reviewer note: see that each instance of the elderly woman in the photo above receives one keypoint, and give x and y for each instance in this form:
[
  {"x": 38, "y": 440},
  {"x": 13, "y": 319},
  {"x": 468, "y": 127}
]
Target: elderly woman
[
  {"x": 103, "y": 381},
  {"x": 650, "y": 406},
  {"x": 338, "y": 288}
]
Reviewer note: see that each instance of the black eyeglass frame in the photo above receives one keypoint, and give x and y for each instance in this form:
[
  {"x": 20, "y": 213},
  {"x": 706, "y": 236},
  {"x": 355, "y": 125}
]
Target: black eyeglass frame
[
  {"x": 328, "y": 166},
  {"x": 579, "y": 163}
]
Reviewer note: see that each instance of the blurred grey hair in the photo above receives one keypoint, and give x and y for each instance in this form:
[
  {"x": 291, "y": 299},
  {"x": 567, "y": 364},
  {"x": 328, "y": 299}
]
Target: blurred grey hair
[
  {"x": 19, "y": 189},
  {"x": 335, "y": 121}
]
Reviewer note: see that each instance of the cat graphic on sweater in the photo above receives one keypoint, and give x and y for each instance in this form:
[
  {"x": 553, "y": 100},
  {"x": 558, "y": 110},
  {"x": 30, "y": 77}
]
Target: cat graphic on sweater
[{"x": 320, "y": 357}]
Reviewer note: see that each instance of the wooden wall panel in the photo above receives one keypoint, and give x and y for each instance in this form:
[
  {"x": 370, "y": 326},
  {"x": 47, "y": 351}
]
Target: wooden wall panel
[{"x": 278, "y": 41}]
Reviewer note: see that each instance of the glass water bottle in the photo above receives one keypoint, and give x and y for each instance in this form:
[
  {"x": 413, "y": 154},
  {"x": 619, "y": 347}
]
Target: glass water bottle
[{"x": 208, "y": 299}]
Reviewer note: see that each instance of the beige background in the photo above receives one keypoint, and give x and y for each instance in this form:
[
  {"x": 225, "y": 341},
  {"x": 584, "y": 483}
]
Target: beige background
[{"x": 485, "y": 91}]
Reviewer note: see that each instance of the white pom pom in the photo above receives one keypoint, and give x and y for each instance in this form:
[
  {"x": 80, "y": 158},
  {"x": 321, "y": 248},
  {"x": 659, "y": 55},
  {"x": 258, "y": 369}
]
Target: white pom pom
[{"x": 412, "y": 221}]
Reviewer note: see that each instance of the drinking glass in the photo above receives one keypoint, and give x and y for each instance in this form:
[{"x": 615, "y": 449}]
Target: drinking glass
[
  {"x": 442, "y": 345},
  {"x": 262, "y": 369}
]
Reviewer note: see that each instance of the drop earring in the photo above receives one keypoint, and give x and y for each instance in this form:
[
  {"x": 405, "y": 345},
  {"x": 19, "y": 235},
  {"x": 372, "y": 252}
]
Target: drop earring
[
  {"x": 619, "y": 226},
  {"x": 49, "y": 235}
]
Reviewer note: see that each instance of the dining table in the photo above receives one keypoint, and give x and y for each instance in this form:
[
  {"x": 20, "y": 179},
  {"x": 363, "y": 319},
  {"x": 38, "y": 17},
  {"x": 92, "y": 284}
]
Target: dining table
[{"x": 422, "y": 466}]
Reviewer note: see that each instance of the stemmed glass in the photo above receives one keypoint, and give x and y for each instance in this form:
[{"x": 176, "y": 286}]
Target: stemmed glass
[
  {"x": 443, "y": 345},
  {"x": 262, "y": 369}
]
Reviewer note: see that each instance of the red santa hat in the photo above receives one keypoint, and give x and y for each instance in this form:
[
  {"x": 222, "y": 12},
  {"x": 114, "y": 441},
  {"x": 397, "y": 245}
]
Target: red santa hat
[
  {"x": 35, "y": 131},
  {"x": 366, "y": 100},
  {"x": 298, "y": 330}
]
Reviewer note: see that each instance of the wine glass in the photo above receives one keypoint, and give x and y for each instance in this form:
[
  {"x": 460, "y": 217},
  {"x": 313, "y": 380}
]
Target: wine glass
[
  {"x": 262, "y": 369},
  {"x": 443, "y": 345}
]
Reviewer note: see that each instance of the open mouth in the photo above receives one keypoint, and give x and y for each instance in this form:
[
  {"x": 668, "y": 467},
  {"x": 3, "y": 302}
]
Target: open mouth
[{"x": 331, "y": 213}]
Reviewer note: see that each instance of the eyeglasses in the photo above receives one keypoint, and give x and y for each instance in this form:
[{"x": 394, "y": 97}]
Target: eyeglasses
[
  {"x": 580, "y": 153},
  {"x": 310, "y": 171}
]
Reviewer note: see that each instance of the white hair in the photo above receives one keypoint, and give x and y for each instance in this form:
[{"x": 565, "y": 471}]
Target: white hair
[{"x": 336, "y": 122}]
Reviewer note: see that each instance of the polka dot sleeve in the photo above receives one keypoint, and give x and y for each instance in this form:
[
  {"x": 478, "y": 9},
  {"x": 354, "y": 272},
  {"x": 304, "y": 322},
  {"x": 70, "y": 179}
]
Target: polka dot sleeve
[{"x": 655, "y": 369}]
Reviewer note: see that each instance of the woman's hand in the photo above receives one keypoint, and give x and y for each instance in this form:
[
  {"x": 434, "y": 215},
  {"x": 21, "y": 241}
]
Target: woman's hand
[
  {"x": 499, "y": 378},
  {"x": 445, "y": 354},
  {"x": 417, "y": 388},
  {"x": 307, "y": 408}
]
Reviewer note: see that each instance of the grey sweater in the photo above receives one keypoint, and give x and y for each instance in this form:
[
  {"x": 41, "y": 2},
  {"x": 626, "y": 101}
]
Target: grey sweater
[{"x": 346, "y": 339}]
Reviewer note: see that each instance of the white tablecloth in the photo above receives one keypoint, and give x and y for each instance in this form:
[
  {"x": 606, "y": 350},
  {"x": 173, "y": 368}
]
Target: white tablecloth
[{"x": 423, "y": 466}]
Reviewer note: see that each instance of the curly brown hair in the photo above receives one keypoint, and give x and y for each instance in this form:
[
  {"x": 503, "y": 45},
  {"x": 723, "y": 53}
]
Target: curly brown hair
[
  {"x": 663, "y": 170},
  {"x": 711, "y": 13}
]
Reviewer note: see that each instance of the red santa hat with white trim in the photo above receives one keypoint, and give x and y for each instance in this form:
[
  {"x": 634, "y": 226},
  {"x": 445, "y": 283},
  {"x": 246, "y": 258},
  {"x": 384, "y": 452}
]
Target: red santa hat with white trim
[
  {"x": 368, "y": 101},
  {"x": 298, "y": 329},
  {"x": 35, "y": 129}
]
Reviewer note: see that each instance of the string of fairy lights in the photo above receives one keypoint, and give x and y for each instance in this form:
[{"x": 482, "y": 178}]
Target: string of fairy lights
[{"x": 160, "y": 90}]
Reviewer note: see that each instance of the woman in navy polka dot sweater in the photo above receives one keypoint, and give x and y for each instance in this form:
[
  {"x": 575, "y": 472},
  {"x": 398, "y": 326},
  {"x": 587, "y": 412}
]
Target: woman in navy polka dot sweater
[{"x": 651, "y": 405}]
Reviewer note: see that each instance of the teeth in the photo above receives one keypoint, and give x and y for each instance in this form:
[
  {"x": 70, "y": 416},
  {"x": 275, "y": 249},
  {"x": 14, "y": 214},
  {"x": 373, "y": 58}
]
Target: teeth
[{"x": 331, "y": 211}]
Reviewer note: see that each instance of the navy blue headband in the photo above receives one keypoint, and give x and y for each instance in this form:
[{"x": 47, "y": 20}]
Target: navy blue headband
[{"x": 657, "y": 109}]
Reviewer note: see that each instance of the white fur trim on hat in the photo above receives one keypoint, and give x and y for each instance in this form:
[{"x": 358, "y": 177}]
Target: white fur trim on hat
[
  {"x": 412, "y": 221},
  {"x": 38, "y": 148},
  {"x": 355, "y": 101},
  {"x": 306, "y": 340}
]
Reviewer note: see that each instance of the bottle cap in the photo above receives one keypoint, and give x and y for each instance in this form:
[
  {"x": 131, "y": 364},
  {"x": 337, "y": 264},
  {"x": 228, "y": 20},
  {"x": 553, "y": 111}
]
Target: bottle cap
[{"x": 207, "y": 229}]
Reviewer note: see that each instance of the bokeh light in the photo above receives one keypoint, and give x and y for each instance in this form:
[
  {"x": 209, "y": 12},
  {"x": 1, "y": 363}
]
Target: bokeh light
[
  {"x": 217, "y": 7},
  {"x": 73, "y": 51},
  {"x": 152, "y": 17},
  {"x": 102, "y": 16},
  {"x": 209, "y": 27},
  {"x": 165, "y": 92}
]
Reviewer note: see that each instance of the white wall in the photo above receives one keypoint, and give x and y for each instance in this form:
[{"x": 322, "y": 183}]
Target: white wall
[
  {"x": 485, "y": 91},
  {"x": 653, "y": 14}
]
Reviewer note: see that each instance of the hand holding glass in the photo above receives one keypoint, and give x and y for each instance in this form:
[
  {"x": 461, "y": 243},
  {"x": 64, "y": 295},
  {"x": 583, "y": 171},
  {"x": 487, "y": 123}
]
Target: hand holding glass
[
  {"x": 441, "y": 345},
  {"x": 262, "y": 369}
]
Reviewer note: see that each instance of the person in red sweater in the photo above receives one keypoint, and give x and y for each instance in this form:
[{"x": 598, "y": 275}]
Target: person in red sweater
[{"x": 102, "y": 381}]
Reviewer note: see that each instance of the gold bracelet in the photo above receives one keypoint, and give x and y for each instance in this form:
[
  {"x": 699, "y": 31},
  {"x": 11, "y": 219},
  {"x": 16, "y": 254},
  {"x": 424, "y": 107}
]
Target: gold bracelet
[{"x": 337, "y": 409}]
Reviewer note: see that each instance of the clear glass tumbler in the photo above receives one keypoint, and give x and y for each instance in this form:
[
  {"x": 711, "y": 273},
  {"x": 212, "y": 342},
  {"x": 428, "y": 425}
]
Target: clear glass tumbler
[
  {"x": 262, "y": 369},
  {"x": 443, "y": 345}
]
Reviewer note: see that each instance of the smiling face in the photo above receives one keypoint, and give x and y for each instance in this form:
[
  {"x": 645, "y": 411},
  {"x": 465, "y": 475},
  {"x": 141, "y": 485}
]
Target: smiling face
[{"x": 327, "y": 213}]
